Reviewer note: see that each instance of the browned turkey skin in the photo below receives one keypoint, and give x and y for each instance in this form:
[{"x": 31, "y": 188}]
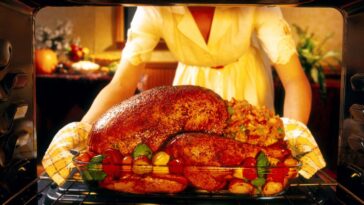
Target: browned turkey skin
[
  {"x": 154, "y": 115},
  {"x": 200, "y": 149},
  {"x": 203, "y": 154}
]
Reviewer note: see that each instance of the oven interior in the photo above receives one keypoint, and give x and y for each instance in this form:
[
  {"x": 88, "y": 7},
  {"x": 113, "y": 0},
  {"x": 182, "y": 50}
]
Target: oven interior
[{"x": 23, "y": 140}]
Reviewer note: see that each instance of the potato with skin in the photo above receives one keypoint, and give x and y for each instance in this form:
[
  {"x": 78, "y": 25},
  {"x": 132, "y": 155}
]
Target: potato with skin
[
  {"x": 238, "y": 173},
  {"x": 160, "y": 170},
  {"x": 238, "y": 186},
  {"x": 141, "y": 166},
  {"x": 272, "y": 188},
  {"x": 292, "y": 164},
  {"x": 160, "y": 158}
]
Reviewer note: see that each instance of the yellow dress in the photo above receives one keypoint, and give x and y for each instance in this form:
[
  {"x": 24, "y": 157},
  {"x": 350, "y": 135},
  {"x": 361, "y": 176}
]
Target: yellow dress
[{"x": 243, "y": 42}]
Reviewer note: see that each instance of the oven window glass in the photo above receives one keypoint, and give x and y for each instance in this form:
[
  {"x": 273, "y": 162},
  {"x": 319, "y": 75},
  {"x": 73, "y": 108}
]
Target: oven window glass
[{"x": 97, "y": 34}]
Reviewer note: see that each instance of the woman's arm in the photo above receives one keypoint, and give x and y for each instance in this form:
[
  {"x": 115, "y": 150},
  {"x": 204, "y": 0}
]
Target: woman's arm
[
  {"x": 143, "y": 35},
  {"x": 122, "y": 86},
  {"x": 277, "y": 41},
  {"x": 297, "y": 101}
]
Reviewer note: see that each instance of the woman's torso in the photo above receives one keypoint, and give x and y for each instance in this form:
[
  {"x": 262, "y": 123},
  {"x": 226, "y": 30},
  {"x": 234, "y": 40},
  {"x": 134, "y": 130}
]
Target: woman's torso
[{"x": 229, "y": 38}]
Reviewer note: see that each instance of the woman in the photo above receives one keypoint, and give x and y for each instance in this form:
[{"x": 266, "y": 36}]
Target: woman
[{"x": 220, "y": 48}]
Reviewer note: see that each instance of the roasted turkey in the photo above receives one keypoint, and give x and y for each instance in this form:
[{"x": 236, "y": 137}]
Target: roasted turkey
[
  {"x": 157, "y": 114},
  {"x": 186, "y": 133}
]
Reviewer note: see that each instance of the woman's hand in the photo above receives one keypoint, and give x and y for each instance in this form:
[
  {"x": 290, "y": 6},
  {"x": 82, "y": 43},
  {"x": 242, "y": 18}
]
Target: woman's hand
[
  {"x": 122, "y": 86},
  {"x": 297, "y": 101},
  {"x": 57, "y": 160}
]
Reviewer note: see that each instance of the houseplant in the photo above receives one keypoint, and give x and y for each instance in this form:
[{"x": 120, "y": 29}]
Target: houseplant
[{"x": 314, "y": 58}]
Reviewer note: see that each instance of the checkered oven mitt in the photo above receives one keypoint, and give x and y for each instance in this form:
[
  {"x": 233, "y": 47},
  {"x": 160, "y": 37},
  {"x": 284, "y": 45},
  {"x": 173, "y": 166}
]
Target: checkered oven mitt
[
  {"x": 303, "y": 146},
  {"x": 57, "y": 160}
]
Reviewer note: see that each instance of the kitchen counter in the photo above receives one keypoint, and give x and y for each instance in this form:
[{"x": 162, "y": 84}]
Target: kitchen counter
[
  {"x": 63, "y": 98},
  {"x": 158, "y": 56}
]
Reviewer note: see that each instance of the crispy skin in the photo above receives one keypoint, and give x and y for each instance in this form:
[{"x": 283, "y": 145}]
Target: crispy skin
[
  {"x": 277, "y": 150},
  {"x": 202, "y": 149},
  {"x": 156, "y": 114},
  {"x": 207, "y": 178},
  {"x": 203, "y": 154},
  {"x": 149, "y": 184}
]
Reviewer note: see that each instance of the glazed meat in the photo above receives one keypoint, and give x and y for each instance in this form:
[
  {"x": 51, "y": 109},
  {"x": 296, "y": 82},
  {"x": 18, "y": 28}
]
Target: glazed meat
[
  {"x": 206, "y": 157},
  {"x": 207, "y": 178},
  {"x": 202, "y": 155},
  {"x": 154, "y": 115},
  {"x": 201, "y": 149}
]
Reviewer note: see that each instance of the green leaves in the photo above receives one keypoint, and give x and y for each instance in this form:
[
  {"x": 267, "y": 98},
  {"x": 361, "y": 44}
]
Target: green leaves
[
  {"x": 258, "y": 182},
  {"x": 97, "y": 159},
  {"x": 312, "y": 57},
  {"x": 262, "y": 164},
  {"x": 94, "y": 171},
  {"x": 262, "y": 169}
]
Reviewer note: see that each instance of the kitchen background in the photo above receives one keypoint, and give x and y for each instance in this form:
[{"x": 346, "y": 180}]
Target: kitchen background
[
  {"x": 96, "y": 26},
  {"x": 63, "y": 95}
]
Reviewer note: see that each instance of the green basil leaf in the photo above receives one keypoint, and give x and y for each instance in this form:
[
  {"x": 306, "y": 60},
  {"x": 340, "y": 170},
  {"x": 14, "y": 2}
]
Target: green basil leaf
[
  {"x": 262, "y": 164},
  {"x": 86, "y": 175},
  {"x": 97, "y": 158},
  {"x": 94, "y": 169},
  {"x": 97, "y": 175},
  {"x": 258, "y": 182}
]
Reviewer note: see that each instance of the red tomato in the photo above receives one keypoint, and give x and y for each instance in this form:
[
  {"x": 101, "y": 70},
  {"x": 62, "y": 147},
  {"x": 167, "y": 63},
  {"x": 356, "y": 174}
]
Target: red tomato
[
  {"x": 85, "y": 156},
  {"x": 106, "y": 181},
  {"x": 127, "y": 160},
  {"x": 127, "y": 164},
  {"x": 249, "y": 168},
  {"x": 279, "y": 173},
  {"x": 175, "y": 166},
  {"x": 250, "y": 162},
  {"x": 111, "y": 164}
]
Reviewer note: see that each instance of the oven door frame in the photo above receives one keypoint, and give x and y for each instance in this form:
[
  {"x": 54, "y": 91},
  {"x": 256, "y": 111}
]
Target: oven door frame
[{"x": 353, "y": 14}]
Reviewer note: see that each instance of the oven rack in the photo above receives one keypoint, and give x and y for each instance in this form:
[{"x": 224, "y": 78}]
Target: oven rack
[{"x": 320, "y": 189}]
